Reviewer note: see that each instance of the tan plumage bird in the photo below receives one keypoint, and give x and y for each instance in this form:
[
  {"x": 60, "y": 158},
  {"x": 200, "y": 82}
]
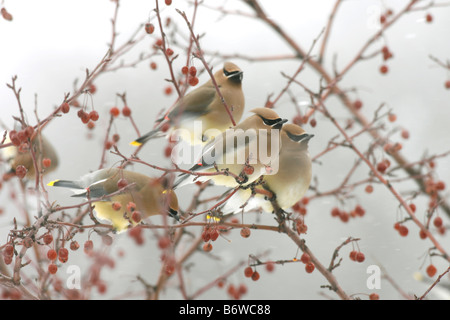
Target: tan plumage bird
[
  {"x": 131, "y": 192},
  {"x": 42, "y": 148},
  {"x": 291, "y": 181},
  {"x": 205, "y": 105},
  {"x": 249, "y": 150}
]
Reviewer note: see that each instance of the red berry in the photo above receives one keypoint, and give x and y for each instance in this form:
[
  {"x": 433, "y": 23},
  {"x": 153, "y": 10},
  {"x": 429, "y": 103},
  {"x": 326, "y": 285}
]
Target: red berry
[
  {"x": 447, "y": 84},
  {"x": 313, "y": 122},
  {"x": 255, "y": 276},
  {"x": 92, "y": 88},
  {"x": 52, "y": 268},
  {"x": 360, "y": 257},
  {"x": 392, "y": 117},
  {"x": 310, "y": 267},
  {"x": 164, "y": 242},
  {"x": 248, "y": 272},
  {"x": 168, "y": 151},
  {"x": 193, "y": 81},
  {"x": 242, "y": 289},
  {"x": 359, "y": 210},
  {"x": 116, "y": 205},
  {"x": 107, "y": 240},
  {"x": 335, "y": 212},
  {"x": 207, "y": 247},
  {"x": 63, "y": 254},
  {"x": 122, "y": 183},
  {"x": 431, "y": 270},
  {"x": 46, "y": 162},
  {"x": 21, "y": 171},
  {"x": 168, "y": 90},
  {"x": 51, "y": 254},
  {"x": 384, "y": 69},
  {"x": 437, "y": 222},
  {"x": 270, "y": 266},
  {"x": 405, "y": 134},
  {"x": 114, "y": 111},
  {"x": 169, "y": 51},
  {"x": 440, "y": 185},
  {"x": 74, "y": 246},
  {"x": 126, "y": 111},
  {"x": 382, "y": 166},
  {"x": 403, "y": 230},
  {"x": 248, "y": 170},
  {"x": 185, "y": 70},
  {"x": 136, "y": 216},
  {"x": 153, "y": 65},
  {"x": 353, "y": 255},
  {"x": 149, "y": 28},
  {"x": 214, "y": 234},
  {"x": 192, "y": 71},
  {"x": 168, "y": 2},
  {"x": 29, "y": 131},
  {"x": 8, "y": 250},
  {"x": 429, "y": 18},
  {"x": 305, "y": 258},
  {"x": 88, "y": 246},
  {"x": 357, "y": 104},
  {"x": 131, "y": 206},
  {"x": 93, "y": 115},
  {"x": 369, "y": 188},
  {"x": 48, "y": 238},
  {"x": 245, "y": 232},
  {"x": 422, "y": 234},
  {"x": 374, "y": 296},
  {"x": 6, "y": 15}
]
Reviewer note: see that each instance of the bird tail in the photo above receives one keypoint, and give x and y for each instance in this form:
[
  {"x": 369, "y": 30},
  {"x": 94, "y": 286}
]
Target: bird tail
[
  {"x": 64, "y": 184},
  {"x": 78, "y": 190},
  {"x": 155, "y": 133}
]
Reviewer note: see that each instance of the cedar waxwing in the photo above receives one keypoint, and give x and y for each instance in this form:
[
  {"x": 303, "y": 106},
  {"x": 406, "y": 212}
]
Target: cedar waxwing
[
  {"x": 16, "y": 156},
  {"x": 291, "y": 181},
  {"x": 144, "y": 194},
  {"x": 205, "y": 106},
  {"x": 253, "y": 145}
]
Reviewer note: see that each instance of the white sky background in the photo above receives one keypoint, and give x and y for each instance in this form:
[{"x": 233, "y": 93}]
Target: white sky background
[{"x": 50, "y": 43}]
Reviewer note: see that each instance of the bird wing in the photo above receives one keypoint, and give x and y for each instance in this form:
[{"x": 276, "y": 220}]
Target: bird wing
[{"x": 194, "y": 104}]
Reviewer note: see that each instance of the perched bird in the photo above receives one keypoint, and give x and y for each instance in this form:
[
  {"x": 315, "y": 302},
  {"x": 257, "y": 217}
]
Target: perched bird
[
  {"x": 246, "y": 151},
  {"x": 21, "y": 155},
  {"x": 131, "y": 192},
  {"x": 291, "y": 181},
  {"x": 204, "y": 105}
]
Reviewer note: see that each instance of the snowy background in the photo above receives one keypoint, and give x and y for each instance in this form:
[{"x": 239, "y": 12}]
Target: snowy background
[{"x": 50, "y": 43}]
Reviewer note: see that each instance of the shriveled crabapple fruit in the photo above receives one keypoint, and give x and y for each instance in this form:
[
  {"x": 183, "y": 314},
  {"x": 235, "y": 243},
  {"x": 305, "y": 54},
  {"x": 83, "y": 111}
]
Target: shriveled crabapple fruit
[
  {"x": 52, "y": 268},
  {"x": 245, "y": 232},
  {"x": 309, "y": 267},
  {"x": 255, "y": 276},
  {"x": 149, "y": 28},
  {"x": 248, "y": 272}
]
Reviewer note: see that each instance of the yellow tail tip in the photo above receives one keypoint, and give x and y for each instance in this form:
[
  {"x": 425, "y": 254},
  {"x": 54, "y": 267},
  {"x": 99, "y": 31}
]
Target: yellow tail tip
[
  {"x": 135, "y": 143},
  {"x": 51, "y": 183}
]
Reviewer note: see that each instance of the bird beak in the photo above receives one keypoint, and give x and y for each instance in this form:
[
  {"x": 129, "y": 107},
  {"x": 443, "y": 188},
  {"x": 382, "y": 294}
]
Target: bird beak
[
  {"x": 308, "y": 137},
  {"x": 174, "y": 214},
  {"x": 279, "y": 124}
]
